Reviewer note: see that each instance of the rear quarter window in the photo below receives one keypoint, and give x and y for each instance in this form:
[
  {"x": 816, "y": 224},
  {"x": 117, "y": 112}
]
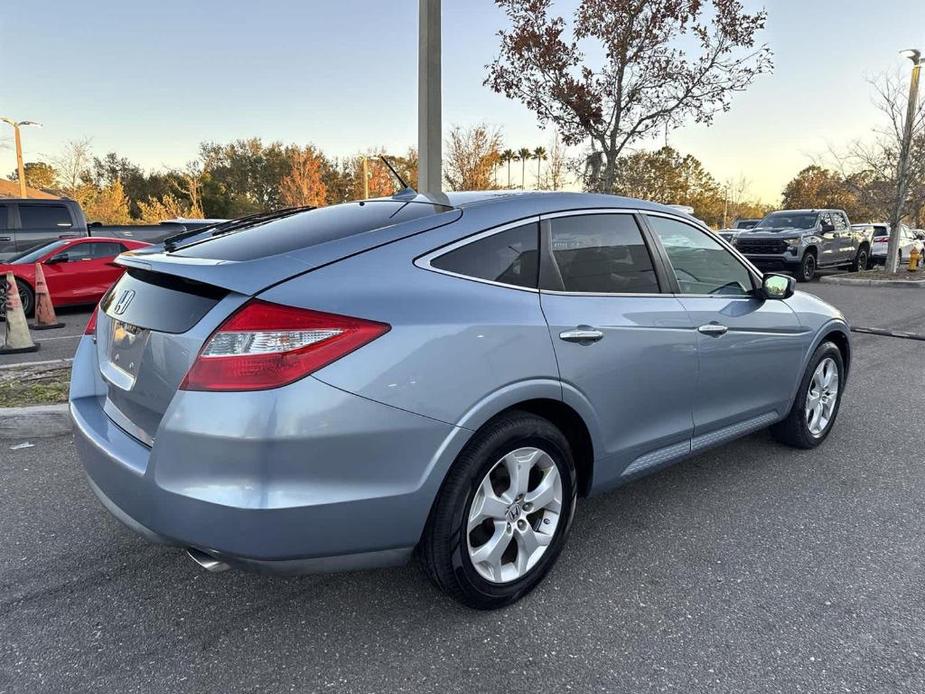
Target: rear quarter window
[
  {"x": 309, "y": 228},
  {"x": 507, "y": 257}
]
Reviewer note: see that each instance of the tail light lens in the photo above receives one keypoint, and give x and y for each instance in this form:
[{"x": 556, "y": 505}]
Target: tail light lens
[
  {"x": 91, "y": 324},
  {"x": 264, "y": 345}
]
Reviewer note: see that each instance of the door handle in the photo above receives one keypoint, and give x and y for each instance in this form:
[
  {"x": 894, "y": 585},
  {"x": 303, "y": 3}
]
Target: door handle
[
  {"x": 713, "y": 329},
  {"x": 5, "y": 238},
  {"x": 583, "y": 334}
]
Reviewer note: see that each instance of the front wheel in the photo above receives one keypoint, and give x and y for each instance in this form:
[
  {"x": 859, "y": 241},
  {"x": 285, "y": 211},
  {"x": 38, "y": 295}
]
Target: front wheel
[
  {"x": 503, "y": 513},
  {"x": 807, "y": 268},
  {"x": 816, "y": 406}
]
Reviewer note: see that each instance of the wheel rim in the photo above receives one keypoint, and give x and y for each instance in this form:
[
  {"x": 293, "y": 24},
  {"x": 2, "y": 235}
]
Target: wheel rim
[
  {"x": 24, "y": 299},
  {"x": 822, "y": 396},
  {"x": 862, "y": 261},
  {"x": 514, "y": 515},
  {"x": 810, "y": 269}
]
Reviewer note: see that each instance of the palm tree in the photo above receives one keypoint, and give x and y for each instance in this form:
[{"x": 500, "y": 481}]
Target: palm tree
[
  {"x": 539, "y": 154},
  {"x": 507, "y": 156},
  {"x": 523, "y": 154}
]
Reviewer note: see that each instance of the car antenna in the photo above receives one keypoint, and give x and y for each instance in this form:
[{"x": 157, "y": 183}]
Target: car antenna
[{"x": 405, "y": 188}]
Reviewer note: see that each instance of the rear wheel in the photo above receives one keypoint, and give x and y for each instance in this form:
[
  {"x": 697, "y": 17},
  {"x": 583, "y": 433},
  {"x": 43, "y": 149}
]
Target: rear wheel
[
  {"x": 861, "y": 260},
  {"x": 807, "y": 268},
  {"x": 503, "y": 513},
  {"x": 816, "y": 406}
]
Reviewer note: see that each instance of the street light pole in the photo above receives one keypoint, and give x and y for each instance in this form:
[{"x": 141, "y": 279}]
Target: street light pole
[
  {"x": 892, "y": 256},
  {"x": 19, "y": 165},
  {"x": 430, "y": 136}
]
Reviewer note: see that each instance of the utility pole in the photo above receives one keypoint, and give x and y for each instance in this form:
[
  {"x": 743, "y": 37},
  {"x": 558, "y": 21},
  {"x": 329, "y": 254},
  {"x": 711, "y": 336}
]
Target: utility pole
[
  {"x": 19, "y": 165},
  {"x": 902, "y": 183},
  {"x": 430, "y": 128}
]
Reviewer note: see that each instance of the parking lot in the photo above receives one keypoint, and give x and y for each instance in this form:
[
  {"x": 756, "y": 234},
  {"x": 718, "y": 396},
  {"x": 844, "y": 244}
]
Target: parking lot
[{"x": 753, "y": 567}]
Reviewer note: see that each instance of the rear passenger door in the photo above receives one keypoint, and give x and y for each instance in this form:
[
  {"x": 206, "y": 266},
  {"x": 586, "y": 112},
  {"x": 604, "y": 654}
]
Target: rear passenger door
[
  {"x": 751, "y": 349},
  {"x": 624, "y": 347},
  {"x": 40, "y": 224},
  {"x": 7, "y": 237}
]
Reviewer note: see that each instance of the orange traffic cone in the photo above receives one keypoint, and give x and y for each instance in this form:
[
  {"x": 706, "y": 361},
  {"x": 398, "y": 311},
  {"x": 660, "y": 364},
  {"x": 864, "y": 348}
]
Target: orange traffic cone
[
  {"x": 44, "y": 310},
  {"x": 17, "y": 330}
]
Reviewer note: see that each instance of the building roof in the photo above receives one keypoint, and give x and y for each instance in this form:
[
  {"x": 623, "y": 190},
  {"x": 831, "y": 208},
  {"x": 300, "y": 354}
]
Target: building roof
[{"x": 10, "y": 189}]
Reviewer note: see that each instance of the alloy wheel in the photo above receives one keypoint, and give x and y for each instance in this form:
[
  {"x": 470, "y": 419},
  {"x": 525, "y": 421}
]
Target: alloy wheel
[
  {"x": 514, "y": 515},
  {"x": 822, "y": 396}
]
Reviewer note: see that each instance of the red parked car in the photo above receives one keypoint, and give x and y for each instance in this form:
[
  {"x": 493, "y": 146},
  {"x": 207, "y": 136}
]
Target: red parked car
[{"x": 77, "y": 271}]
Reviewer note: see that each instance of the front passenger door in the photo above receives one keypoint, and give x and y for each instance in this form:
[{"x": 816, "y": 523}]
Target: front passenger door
[
  {"x": 750, "y": 348},
  {"x": 624, "y": 347}
]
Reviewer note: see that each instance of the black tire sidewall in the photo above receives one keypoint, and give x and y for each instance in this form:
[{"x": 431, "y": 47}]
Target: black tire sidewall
[
  {"x": 862, "y": 260},
  {"x": 809, "y": 260},
  {"x": 27, "y": 307},
  {"x": 527, "y": 431}
]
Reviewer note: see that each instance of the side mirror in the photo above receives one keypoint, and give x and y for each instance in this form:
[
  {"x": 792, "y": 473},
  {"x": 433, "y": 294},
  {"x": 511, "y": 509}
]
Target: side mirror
[
  {"x": 778, "y": 286},
  {"x": 54, "y": 260},
  {"x": 827, "y": 227}
]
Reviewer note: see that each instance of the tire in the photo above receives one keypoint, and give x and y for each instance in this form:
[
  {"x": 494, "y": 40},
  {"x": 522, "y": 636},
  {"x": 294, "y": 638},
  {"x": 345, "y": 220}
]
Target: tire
[
  {"x": 807, "y": 268},
  {"x": 449, "y": 545},
  {"x": 27, "y": 297},
  {"x": 796, "y": 429},
  {"x": 861, "y": 260}
]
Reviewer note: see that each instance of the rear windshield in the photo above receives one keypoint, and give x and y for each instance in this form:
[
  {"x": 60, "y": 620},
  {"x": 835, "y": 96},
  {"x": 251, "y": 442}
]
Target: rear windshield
[{"x": 308, "y": 229}]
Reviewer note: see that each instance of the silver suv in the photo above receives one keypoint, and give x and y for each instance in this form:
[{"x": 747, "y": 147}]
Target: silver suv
[
  {"x": 802, "y": 241},
  {"x": 341, "y": 388}
]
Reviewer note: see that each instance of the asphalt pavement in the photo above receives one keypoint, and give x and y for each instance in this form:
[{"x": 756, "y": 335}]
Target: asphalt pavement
[
  {"x": 752, "y": 568},
  {"x": 58, "y": 343}
]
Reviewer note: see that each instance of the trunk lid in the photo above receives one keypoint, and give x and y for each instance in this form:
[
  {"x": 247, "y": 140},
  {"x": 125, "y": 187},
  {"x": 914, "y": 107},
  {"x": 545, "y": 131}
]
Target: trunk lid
[{"x": 155, "y": 319}]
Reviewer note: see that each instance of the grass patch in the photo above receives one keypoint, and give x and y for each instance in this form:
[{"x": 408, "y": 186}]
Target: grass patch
[{"x": 31, "y": 386}]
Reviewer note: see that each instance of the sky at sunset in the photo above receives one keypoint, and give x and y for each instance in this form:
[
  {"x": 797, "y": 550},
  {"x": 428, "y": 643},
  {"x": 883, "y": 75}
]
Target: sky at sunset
[{"x": 152, "y": 80}]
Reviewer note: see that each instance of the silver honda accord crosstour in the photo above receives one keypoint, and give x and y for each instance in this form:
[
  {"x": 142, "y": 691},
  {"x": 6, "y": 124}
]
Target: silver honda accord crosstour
[{"x": 443, "y": 375}]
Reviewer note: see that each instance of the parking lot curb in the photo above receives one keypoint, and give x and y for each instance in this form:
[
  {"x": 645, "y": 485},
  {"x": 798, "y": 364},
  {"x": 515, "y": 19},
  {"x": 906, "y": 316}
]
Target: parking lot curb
[
  {"x": 893, "y": 284},
  {"x": 40, "y": 421}
]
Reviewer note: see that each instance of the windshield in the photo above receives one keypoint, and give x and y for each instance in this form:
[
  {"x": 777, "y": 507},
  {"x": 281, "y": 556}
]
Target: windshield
[
  {"x": 789, "y": 220},
  {"x": 33, "y": 254}
]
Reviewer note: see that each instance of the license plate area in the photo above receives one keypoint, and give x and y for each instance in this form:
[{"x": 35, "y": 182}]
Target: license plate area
[{"x": 126, "y": 348}]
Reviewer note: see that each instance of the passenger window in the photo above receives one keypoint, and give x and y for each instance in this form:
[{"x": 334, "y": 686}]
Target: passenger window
[
  {"x": 104, "y": 250},
  {"x": 600, "y": 253},
  {"x": 508, "y": 257},
  {"x": 44, "y": 217},
  {"x": 4, "y": 217},
  {"x": 700, "y": 264}
]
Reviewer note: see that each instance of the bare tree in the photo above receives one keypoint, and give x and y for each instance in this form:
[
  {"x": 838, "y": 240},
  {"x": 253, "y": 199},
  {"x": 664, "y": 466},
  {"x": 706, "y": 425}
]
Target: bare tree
[
  {"x": 470, "y": 157},
  {"x": 555, "y": 169},
  {"x": 666, "y": 62},
  {"x": 188, "y": 183},
  {"x": 871, "y": 167},
  {"x": 73, "y": 166}
]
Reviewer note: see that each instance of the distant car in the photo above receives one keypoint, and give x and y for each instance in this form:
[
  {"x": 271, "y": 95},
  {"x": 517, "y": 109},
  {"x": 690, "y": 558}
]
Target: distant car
[
  {"x": 908, "y": 240},
  {"x": 801, "y": 241},
  {"x": 78, "y": 271}
]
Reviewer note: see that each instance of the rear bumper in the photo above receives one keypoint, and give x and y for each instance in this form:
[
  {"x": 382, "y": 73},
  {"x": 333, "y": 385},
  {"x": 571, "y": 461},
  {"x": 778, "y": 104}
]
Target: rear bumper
[{"x": 303, "y": 478}]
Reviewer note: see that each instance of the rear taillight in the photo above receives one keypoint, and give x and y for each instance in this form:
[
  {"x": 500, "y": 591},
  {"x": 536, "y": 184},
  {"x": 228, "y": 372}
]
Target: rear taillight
[
  {"x": 264, "y": 345},
  {"x": 91, "y": 324}
]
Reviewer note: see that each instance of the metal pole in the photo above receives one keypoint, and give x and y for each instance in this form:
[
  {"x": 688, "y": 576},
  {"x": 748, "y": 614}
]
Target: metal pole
[
  {"x": 892, "y": 259},
  {"x": 19, "y": 164},
  {"x": 430, "y": 134}
]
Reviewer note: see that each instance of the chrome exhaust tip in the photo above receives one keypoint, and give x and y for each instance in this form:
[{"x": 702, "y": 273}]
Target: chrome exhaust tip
[{"x": 209, "y": 563}]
